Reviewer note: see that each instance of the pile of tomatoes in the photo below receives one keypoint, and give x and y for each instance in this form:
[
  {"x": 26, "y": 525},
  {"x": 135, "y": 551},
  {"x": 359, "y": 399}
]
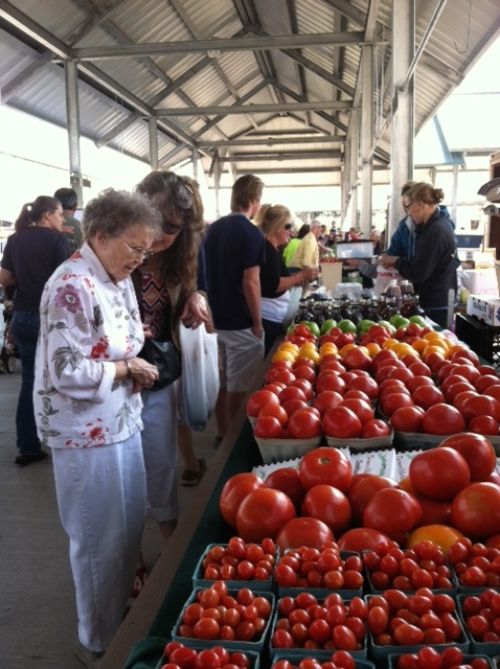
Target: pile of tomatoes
[
  {"x": 401, "y": 619},
  {"x": 476, "y": 565},
  {"x": 430, "y": 658},
  {"x": 239, "y": 561},
  {"x": 482, "y": 616},
  {"x": 314, "y": 568},
  {"x": 341, "y": 659},
  {"x": 423, "y": 566},
  {"x": 184, "y": 657},
  {"x": 218, "y": 614},
  {"x": 304, "y": 622}
]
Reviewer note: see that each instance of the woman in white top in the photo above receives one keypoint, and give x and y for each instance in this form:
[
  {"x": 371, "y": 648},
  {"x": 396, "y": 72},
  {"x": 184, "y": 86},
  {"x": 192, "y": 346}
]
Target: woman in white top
[
  {"x": 88, "y": 408},
  {"x": 275, "y": 221}
]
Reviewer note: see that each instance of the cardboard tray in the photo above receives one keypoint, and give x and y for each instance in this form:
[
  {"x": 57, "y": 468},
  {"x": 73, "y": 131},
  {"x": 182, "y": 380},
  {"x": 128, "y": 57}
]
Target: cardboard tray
[
  {"x": 274, "y": 450},
  {"x": 252, "y": 656},
  {"x": 295, "y": 658},
  {"x": 362, "y": 444},
  {"x": 393, "y": 660},
  {"x": 491, "y": 649}
]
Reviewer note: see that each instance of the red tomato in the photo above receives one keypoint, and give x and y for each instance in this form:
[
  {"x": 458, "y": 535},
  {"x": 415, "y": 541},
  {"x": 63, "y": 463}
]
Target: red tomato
[
  {"x": 276, "y": 411},
  {"x": 304, "y": 424},
  {"x": 394, "y": 401},
  {"x": 258, "y": 401},
  {"x": 439, "y": 473},
  {"x": 267, "y": 427},
  {"x": 408, "y": 419},
  {"x": 419, "y": 380},
  {"x": 408, "y": 635},
  {"x": 478, "y": 452},
  {"x": 325, "y": 465},
  {"x": 493, "y": 391},
  {"x": 363, "y": 538},
  {"x": 284, "y": 376},
  {"x": 434, "y": 512},
  {"x": 304, "y": 531},
  {"x": 287, "y": 480},
  {"x": 366, "y": 385},
  {"x": 426, "y": 396},
  {"x": 363, "y": 409},
  {"x": 363, "y": 490},
  {"x": 306, "y": 387},
  {"x": 234, "y": 492},
  {"x": 302, "y": 371},
  {"x": 393, "y": 512},
  {"x": 328, "y": 399},
  {"x": 475, "y": 511},
  {"x": 341, "y": 423},
  {"x": 263, "y": 513},
  {"x": 419, "y": 368},
  {"x": 484, "y": 425},
  {"x": 481, "y": 405},
  {"x": 462, "y": 398},
  {"x": 443, "y": 419},
  {"x": 206, "y": 628},
  {"x": 356, "y": 358},
  {"x": 291, "y": 393},
  {"x": 329, "y": 505},
  {"x": 373, "y": 428},
  {"x": 329, "y": 380},
  {"x": 291, "y": 406}
]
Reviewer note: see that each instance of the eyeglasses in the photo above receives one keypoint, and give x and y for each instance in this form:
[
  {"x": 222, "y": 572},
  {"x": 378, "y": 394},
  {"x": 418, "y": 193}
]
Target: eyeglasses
[
  {"x": 288, "y": 226},
  {"x": 171, "y": 228},
  {"x": 406, "y": 207},
  {"x": 136, "y": 252}
]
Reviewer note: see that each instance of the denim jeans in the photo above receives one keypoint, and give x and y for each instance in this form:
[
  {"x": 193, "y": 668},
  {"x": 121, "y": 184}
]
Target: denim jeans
[{"x": 25, "y": 326}]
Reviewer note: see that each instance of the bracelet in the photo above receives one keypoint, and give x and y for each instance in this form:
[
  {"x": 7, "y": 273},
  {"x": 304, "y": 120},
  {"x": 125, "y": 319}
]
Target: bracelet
[{"x": 129, "y": 369}]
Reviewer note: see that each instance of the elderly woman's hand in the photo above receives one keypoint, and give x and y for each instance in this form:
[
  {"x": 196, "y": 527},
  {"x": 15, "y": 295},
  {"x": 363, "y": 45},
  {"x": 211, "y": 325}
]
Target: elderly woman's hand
[
  {"x": 388, "y": 261},
  {"x": 195, "y": 311},
  {"x": 143, "y": 373}
]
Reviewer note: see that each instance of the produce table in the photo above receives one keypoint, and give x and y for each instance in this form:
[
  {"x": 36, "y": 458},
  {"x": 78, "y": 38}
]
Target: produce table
[{"x": 169, "y": 584}]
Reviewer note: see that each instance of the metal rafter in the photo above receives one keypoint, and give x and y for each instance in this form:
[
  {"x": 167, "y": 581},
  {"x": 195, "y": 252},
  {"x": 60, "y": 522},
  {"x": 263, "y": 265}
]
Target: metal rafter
[
  {"x": 292, "y": 17},
  {"x": 259, "y": 108},
  {"x": 270, "y": 141},
  {"x": 281, "y": 156}
]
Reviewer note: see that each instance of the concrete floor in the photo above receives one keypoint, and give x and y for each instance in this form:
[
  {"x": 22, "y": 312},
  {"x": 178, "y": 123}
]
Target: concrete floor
[{"x": 37, "y": 610}]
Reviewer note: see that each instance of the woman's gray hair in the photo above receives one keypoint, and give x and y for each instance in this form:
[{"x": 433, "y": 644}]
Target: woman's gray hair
[{"x": 114, "y": 211}]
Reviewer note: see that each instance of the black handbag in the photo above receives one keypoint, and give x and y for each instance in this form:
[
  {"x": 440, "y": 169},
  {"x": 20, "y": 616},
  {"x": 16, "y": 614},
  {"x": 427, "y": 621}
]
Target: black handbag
[{"x": 166, "y": 357}]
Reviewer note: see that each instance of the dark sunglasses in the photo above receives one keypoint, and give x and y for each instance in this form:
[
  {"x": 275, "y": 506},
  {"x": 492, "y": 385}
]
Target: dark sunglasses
[{"x": 288, "y": 226}]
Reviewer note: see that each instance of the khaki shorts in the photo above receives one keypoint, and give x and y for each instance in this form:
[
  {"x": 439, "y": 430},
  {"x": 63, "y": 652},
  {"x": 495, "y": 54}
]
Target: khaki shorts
[{"x": 240, "y": 354}]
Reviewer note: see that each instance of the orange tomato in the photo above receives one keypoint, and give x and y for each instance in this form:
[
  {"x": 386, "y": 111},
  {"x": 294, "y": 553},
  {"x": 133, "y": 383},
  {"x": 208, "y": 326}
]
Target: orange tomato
[{"x": 441, "y": 535}]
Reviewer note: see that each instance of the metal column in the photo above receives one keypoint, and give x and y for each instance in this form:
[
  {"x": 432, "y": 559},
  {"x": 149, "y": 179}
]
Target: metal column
[
  {"x": 153, "y": 144},
  {"x": 217, "y": 174},
  {"x": 367, "y": 141},
  {"x": 403, "y": 46},
  {"x": 195, "y": 164},
  {"x": 354, "y": 167},
  {"x": 73, "y": 126}
]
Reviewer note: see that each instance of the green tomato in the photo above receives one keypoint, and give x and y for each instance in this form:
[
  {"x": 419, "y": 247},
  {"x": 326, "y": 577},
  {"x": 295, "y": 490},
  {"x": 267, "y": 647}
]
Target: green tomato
[
  {"x": 365, "y": 325},
  {"x": 418, "y": 320},
  {"x": 313, "y": 327},
  {"x": 387, "y": 326},
  {"x": 347, "y": 326}
]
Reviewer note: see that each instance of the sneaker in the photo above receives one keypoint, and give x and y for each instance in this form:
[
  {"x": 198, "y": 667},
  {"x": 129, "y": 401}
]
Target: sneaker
[
  {"x": 191, "y": 477},
  {"x": 89, "y": 658},
  {"x": 25, "y": 459}
]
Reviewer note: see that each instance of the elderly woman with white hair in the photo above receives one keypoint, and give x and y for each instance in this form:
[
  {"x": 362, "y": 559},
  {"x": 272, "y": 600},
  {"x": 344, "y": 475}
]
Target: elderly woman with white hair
[{"x": 88, "y": 379}]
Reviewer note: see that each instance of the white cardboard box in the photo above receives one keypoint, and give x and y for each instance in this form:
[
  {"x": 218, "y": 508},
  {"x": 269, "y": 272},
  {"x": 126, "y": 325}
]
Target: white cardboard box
[{"x": 485, "y": 308}]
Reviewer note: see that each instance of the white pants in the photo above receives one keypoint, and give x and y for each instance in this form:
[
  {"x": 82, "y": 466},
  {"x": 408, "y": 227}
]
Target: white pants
[
  {"x": 101, "y": 495},
  {"x": 159, "y": 445}
]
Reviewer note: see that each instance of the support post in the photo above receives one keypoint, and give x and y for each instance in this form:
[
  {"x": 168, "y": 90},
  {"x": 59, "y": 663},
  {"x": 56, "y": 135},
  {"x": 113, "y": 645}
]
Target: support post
[
  {"x": 153, "y": 144},
  {"x": 454, "y": 197},
  {"x": 367, "y": 141},
  {"x": 195, "y": 164},
  {"x": 73, "y": 126},
  {"x": 403, "y": 47},
  {"x": 354, "y": 128},
  {"x": 217, "y": 171}
]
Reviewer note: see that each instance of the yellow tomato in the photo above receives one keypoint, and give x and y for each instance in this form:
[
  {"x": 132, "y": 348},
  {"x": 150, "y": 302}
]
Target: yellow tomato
[
  {"x": 310, "y": 354},
  {"x": 402, "y": 348},
  {"x": 373, "y": 349},
  {"x": 420, "y": 345},
  {"x": 345, "y": 348},
  {"x": 389, "y": 343},
  {"x": 284, "y": 354},
  {"x": 441, "y": 535}
]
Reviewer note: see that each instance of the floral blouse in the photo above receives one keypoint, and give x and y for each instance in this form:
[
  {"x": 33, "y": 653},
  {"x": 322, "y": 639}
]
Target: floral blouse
[{"x": 86, "y": 322}]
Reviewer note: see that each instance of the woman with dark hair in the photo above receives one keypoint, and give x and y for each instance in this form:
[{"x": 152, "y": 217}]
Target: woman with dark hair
[
  {"x": 88, "y": 408},
  {"x": 166, "y": 288},
  {"x": 433, "y": 269},
  {"x": 31, "y": 254}
]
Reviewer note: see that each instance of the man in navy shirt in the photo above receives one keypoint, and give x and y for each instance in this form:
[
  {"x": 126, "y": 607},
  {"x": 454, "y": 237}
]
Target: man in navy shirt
[{"x": 234, "y": 250}]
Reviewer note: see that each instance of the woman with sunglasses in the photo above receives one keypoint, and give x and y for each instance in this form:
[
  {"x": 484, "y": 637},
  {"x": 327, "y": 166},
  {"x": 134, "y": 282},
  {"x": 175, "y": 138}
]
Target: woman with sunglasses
[
  {"x": 166, "y": 286},
  {"x": 275, "y": 221}
]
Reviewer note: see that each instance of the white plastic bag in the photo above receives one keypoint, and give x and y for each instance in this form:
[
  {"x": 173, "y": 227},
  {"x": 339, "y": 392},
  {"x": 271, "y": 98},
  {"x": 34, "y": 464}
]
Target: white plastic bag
[
  {"x": 383, "y": 277},
  {"x": 200, "y": 375}
]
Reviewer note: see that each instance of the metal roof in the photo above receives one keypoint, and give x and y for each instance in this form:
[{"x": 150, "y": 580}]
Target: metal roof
[{"x": 296, "y": 80}]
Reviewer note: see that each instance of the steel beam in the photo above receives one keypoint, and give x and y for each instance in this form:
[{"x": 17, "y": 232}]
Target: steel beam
[
  {"x": 259, "y": 108},
  {"x": 296, "y": 155},
  {"x": 270, "y": 141},
  {"x": 73, "y": 128},
  {"x": 366, "y": 140},
  {"x": 153, "y": 144},
  {"x": 259, "y": 43}
]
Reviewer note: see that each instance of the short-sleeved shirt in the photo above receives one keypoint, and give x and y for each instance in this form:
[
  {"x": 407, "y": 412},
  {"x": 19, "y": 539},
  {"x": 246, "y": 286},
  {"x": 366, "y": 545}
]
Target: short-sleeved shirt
[
  {"x": 32, "y": 254},
  {"x": 289, "y": 251},
  {"x": 271, "y": 270},
  {"x": 72, "y": 230},
  {"x": 232, "y": 245}
]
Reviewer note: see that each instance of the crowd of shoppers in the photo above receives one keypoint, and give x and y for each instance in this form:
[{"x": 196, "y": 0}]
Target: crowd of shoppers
[{"x": 143, "y": 264}]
